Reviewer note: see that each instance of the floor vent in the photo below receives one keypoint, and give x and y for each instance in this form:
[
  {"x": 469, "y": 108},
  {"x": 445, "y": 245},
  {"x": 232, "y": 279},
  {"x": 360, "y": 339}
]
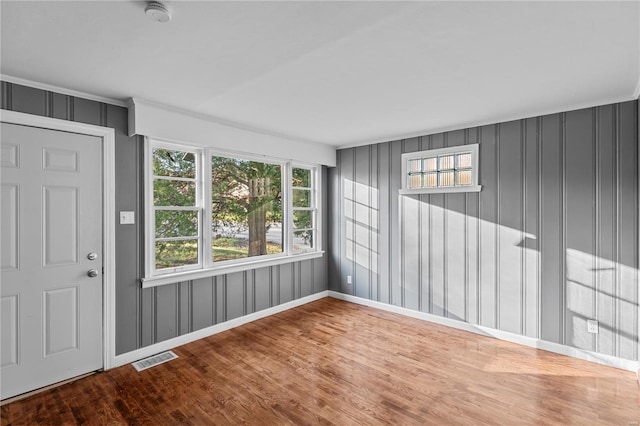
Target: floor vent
[{"x": 154, "y": 360}]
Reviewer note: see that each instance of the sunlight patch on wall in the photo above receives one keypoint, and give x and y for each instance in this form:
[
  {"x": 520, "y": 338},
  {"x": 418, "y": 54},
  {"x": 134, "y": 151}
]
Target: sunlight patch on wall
[{"x": 361, "y": 227}]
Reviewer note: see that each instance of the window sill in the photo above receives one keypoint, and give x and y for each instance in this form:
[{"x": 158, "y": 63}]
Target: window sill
[
  {"x": 226, "y": 269},
  {"x": 455, "y": 189}
]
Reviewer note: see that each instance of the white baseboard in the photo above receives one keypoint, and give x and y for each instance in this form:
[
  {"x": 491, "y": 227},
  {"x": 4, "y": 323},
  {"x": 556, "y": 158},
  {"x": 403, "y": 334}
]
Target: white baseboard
[
  {"x": 165, "y": 345},
  {"x": 607, "y": 360}
]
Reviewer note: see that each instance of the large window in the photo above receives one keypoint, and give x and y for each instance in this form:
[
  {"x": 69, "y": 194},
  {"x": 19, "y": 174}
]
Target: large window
[
  {"x": 246, "y": 208},
  {"x": 209, "y": 210}
]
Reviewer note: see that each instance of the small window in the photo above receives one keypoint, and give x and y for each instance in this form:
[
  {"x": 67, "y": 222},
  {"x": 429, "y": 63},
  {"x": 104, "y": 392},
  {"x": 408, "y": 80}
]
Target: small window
[{"x": 453, "y": 169}]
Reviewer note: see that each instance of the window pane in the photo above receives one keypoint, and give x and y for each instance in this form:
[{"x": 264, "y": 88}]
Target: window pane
[
  {"x": 463, "y": 160},
  {"x": 174, "y": 193},
  {"x": 446, "y": 162},
  {"x": 414, "y": 181},
  {"x": 302, "y": 219},
  {"x": 302, "y": 240},
  {"x": 301, "y": 177},
  {"x": 301, "y": 198},
  {"x": 446, "y": 179},
  {"x": 171, "y": 224},
  {"x": 246, "y": 200},
  {"x": 414, "y": 166},
  {"x": 431, "y": 180},
  {"x": 430, "y": 164},
  {"x": 463, "y": 177},
  {"x": 172, "y": 254},
  {"x": 168, "y": 162}
]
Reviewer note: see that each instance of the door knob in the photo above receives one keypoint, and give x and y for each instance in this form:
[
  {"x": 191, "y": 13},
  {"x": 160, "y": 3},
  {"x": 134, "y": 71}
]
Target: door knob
[
  {"x": 92, "y": 273},
  {"x": 92, "y": 256}
]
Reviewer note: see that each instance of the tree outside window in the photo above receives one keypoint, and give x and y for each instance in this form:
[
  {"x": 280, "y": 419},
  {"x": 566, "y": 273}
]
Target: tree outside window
[{"x": 246, "y": 208}]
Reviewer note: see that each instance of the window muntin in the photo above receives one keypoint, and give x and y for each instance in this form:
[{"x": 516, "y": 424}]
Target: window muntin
[
  {"x": 441, "y": 171},
  {"x": 452, "y": 169},
  {"x": 201, "y": 202}
]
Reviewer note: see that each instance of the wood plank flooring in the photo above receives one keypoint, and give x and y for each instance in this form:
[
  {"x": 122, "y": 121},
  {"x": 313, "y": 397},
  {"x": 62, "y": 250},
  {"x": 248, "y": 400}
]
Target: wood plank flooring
[{"x": 334, "y": 362}]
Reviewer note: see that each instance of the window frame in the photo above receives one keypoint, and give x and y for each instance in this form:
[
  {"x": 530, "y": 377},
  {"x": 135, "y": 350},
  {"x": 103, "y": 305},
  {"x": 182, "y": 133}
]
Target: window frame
[
  {"x": 313, "y": 207},
  {"x": 459, "y": 149},
  {"x": 206, "y": 266},
  {"x": 208, "y": 210},
  {"x": 150, "y": 209}
]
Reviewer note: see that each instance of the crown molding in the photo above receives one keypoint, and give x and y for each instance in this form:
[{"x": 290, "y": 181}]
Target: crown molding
[
  {"x": 61, "y": 90},
  {"x": 491, "y": 121}
]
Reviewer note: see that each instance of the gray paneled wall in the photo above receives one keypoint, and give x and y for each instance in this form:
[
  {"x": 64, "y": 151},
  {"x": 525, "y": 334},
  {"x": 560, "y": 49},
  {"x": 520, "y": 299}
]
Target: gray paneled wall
[
  {"x": 147, "y": 316},
  {"x": 550, "y": 242},
  {"x": 171, "y": 310}
]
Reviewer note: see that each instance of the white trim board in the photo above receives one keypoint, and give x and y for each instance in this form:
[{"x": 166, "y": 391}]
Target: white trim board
[
  {"x": 166, "y": 345},
  {"x": 158, "y": 280},
  {"x": 637, "y": 93},
  {"x": 607, "y": 360},
  {"x": 109, "y": 213},
  {"x": 172, "y": 124}
]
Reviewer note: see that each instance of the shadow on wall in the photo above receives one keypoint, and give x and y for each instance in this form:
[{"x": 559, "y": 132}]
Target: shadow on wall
[{"x": 460, "y": 266}]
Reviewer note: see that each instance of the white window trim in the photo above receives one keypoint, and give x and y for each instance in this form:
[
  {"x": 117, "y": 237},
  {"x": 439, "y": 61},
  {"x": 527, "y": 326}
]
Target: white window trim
[
  {"x": 474, "y": 187},
  {"x": 150, "y": 231},
  {"x": 264, "y": 262},
  {"x": 206, "y": 267},
  {"x": 314, "y": 208}
]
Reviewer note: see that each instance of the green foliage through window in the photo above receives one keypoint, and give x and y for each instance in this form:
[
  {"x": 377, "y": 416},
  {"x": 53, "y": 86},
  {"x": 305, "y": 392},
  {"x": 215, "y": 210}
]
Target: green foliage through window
[
  {"x": 177, "y": 220},
  {"x": 303, "y": 209}
]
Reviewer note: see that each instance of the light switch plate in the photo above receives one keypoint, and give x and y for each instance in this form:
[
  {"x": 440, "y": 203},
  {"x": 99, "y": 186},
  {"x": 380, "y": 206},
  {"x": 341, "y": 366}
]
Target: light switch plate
[{"x": 127, "y": 218}]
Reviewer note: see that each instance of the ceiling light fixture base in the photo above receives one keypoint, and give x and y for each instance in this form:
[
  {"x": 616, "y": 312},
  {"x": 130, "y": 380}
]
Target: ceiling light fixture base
[{"x": 157, "y": 11}]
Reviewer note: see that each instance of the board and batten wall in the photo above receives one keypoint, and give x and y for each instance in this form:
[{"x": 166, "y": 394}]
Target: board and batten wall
[
  {"x": 550, "y": 242},
  {"x": 151, "y": 315}
]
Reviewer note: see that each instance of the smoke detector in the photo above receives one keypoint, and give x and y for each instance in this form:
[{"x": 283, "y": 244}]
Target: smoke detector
[{"x": 157, "y": 11}]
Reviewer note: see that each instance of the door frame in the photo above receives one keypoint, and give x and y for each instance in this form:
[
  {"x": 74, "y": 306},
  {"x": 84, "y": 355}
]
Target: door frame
[{"x": 108, "y": 213}]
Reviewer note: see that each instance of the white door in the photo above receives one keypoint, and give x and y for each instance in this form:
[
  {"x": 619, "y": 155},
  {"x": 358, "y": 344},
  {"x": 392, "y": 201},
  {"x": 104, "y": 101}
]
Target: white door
[{"x": 51, "y": 232}]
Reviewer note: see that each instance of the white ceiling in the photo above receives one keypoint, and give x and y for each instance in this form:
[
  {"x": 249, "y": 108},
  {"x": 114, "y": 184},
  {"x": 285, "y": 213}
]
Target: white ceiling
[{"x": 338, "y": 73}]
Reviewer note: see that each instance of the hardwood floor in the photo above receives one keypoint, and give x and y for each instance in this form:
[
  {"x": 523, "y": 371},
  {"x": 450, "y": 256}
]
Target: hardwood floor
[{"x": 333, "y": 362}]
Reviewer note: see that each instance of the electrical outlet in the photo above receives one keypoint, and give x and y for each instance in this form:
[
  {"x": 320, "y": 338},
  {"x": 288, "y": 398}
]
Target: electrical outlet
[
  {"x": 592, "y": 326},
  {"x": 348, "y": 279}
]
